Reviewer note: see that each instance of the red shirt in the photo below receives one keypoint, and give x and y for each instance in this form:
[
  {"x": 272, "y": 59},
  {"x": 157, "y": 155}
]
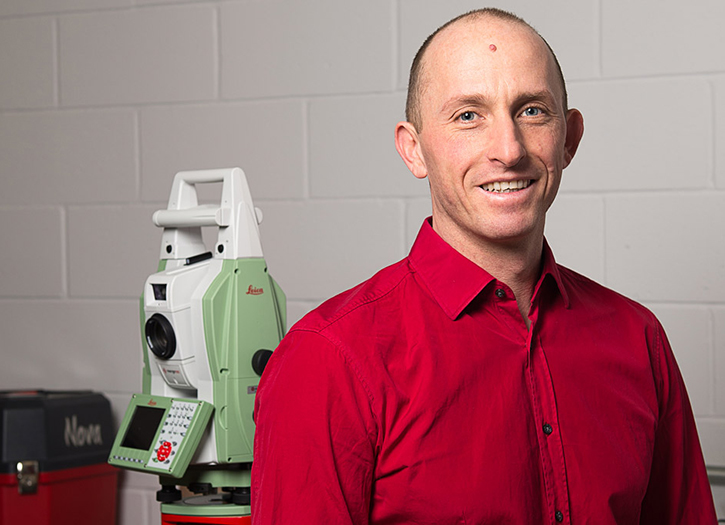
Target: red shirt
[{"x": 421, "y": 397}]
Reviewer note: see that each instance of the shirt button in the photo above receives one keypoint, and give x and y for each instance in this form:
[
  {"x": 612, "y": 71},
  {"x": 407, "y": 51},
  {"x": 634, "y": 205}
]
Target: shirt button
[
  {"x": 500, "y": 293},
  {"x": 548, "y": 429},
  {"x": 559, "y": 516}
]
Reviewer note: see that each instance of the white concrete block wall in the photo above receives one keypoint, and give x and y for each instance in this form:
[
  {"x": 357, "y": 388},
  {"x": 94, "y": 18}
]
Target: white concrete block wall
[
  {"x": 68, "y": 156},
  {"x": 673, "y": 114},
  {"x": 358, "y": 160},
  {"x": 656, "y": 38},
  {"x": 316, "y": 249},
  {"x": 719, "y": 100},
  {"x": 145, "y": 55},
  {"x": 26, "y": 49},
  {"x": 102, "y": 101},
  {"x": 32, "y": 268},
  {"x": 267, "y": 138},
  {"x": 306, "y": 48}
]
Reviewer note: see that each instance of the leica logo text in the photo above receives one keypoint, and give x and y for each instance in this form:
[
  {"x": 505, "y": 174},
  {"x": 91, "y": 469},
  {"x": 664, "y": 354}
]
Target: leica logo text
[{"x": 254, "y": 291}]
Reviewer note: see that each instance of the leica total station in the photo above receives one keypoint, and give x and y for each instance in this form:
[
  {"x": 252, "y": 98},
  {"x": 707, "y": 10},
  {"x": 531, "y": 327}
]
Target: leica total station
[{"x": 209, "y": 323}]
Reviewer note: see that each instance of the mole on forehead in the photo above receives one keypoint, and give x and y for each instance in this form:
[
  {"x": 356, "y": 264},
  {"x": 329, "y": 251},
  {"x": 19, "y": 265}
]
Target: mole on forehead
[{"x": 492, "y": 47}]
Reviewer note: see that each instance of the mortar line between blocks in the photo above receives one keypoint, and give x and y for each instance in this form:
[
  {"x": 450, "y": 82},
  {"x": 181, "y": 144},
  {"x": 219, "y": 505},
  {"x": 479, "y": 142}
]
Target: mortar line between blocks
[
  {"x": 218, "y": 52},
  {"x": 605, "y": 269},
  {"x": 395, "y": 42},
  {"x": 138, "y": 152},
  {"x": 56, "y": 62},
  {"x": 600, "y": 36}
]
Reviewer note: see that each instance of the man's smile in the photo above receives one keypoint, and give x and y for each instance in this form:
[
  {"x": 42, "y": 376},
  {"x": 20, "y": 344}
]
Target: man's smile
[{"x": 506, "y": 186}]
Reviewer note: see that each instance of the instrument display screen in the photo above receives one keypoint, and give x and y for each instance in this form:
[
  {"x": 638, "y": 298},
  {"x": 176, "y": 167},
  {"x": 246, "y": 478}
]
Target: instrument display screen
[{"x": 142, "y": 427}]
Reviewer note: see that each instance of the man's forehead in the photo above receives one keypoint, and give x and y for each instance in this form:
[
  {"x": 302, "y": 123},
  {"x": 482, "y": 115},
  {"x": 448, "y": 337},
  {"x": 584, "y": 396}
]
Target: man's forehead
[
  {"x": 473, "y": 47},
  {"x": 483, "y": 32}
]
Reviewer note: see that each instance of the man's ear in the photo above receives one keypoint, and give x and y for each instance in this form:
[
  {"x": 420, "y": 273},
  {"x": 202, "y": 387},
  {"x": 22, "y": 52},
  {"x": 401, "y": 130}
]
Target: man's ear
[
  {"x": 574, "y": 132},
  {"x": 408, "y": 145}
]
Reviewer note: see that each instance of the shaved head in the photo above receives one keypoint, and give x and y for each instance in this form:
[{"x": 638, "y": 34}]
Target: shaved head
[{"x": 418, "y": 79}]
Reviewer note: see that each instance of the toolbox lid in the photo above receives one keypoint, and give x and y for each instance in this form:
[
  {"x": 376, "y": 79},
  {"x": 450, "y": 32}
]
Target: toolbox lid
[{"x": 58, "y": 429}]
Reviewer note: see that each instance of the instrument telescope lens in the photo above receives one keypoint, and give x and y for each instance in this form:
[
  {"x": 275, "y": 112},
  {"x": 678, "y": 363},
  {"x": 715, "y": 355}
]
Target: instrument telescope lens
[{"x": 160, "y": 336}]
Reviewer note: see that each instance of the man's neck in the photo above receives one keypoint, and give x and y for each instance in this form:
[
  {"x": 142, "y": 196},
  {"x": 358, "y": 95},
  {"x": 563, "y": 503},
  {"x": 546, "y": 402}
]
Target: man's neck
[
  {"x": 516, "y": 263},
  {"x": 518, "y": 267}
]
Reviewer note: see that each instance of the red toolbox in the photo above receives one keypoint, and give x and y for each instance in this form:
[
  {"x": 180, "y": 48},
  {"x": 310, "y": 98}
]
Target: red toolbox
[{"x": 53, "y": 452}]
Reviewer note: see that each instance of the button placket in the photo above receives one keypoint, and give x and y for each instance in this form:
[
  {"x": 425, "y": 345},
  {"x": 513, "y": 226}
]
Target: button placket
[{"x": 550, "y": 444}]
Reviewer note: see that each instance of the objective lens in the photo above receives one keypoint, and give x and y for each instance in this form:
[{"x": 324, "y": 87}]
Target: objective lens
[{"x": 160, "y": 336}]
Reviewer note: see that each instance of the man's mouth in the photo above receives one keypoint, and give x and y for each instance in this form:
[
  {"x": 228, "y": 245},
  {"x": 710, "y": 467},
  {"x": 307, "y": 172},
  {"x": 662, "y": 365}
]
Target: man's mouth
[{"x": 506, "y": 187}]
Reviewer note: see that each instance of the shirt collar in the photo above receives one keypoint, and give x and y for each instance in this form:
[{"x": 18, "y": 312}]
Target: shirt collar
[
  {"x": 453, "y": 280},
  {"x": 549, "y": 269}
]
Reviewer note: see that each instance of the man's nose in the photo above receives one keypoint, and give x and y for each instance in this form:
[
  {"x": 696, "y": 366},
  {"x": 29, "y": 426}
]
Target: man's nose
[{"x": 505, "y": 144}]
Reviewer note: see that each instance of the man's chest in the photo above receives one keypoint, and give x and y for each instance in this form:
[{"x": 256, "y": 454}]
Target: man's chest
[{"x": 489, "y": 426}]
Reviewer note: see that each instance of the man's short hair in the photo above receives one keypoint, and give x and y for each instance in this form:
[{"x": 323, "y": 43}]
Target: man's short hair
[{"x": 415, "y": 87}]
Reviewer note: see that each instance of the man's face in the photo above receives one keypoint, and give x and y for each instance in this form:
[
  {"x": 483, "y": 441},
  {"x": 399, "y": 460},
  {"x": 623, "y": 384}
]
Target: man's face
[{"x": 493, "y": 140}]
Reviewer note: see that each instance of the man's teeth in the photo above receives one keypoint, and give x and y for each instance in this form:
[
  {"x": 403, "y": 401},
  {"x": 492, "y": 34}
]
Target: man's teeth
[{"x": 506, "y": 187}]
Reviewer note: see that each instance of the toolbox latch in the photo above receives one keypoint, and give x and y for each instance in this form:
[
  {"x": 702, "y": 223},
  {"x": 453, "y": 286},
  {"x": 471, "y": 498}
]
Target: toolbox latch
[{"x": 27, "y": 473}]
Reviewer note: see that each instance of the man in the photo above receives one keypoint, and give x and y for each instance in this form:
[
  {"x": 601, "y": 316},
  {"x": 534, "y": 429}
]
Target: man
[{"x": 477, "y": 381}]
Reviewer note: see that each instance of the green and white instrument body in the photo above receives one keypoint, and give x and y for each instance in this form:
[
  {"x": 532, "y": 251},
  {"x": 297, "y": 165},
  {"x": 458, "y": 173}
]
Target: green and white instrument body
[{"x": 210, "y": 320}]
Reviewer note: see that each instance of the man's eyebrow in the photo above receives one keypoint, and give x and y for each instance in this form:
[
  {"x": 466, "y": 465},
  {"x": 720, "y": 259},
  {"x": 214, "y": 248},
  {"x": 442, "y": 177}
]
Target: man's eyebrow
[
  {"x": 544, "y": 95},
  {"x": 464, "y": 100}
]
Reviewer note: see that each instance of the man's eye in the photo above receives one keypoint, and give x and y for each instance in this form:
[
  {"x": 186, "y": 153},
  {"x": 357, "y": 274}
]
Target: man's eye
[
  {"x": 467, "y": 116},
  {"x": 532, "y": 112}
]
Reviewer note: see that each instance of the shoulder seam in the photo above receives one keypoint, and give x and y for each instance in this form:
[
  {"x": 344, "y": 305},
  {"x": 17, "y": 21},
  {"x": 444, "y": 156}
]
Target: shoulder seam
[
  {"x": 362, "y": 302},
  {"x": 353, "y": 365}
]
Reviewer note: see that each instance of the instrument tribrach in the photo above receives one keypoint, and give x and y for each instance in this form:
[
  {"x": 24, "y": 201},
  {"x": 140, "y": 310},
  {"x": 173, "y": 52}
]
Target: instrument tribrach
[{"x": 210, "y": 321}]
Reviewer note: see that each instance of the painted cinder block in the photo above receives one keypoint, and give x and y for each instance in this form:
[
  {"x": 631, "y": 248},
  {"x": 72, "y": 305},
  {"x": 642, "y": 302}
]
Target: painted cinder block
[
  {"x": 718, "y": 494},
  {"x": 64, "y": 344},
  {"x": 143, "y": 55},
  {"x": 137, "y": 503},
  {"x": 27, "y": 63},
  {"x": 34, "y": 7},
  {"x": 718, "y": 316},
  {"x": 112, "y": 250},
  {"x": 31, "y": 258},
  {"x": 296, "y": 310},
  {"x": 630, "y": 142},
  {"x": 133, "y": 503},
  {"x": 416, "y": 211},
  {"x": 265, "y": 139},
  {"x": 663, "y": 37},
  {"x": 67, "y": 157},
  {"x": 719, "y": 87},
  {"x": 666, "y": 247},
  {"x": 119, "y": 403},
  {"x": 279, "y": 48},
  {"x": 352, "y": 148},
  {"x": 140, "y": 480},
  {"x": 571, "y": 28},
  {"x": 317, "y": 249},
  {"x": 711, "y": 431},
  {"x": 689, "y": 331},
  {"x": 575, "y": 232},
  {"x": 154, "y": 515}
]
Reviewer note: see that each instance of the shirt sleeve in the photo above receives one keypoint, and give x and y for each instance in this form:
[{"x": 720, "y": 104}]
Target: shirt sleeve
[
  {"x": 679, "y": 491},
  {"x": 315, "y": 437}
]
